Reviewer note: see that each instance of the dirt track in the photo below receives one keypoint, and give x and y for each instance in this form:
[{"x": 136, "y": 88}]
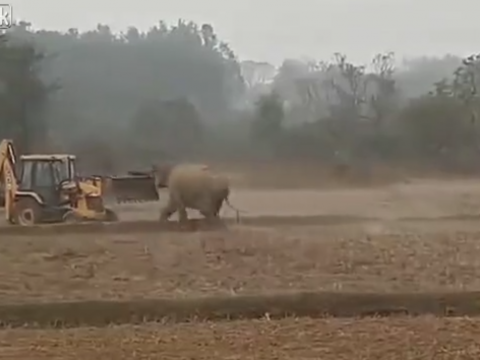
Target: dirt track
[
  {"x": 414, "y": 199},
  {"x": 420, "y": 200}
]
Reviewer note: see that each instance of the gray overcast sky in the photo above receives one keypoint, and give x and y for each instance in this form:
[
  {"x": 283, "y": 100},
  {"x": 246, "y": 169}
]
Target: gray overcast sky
[{"x": 274, "y": 29}]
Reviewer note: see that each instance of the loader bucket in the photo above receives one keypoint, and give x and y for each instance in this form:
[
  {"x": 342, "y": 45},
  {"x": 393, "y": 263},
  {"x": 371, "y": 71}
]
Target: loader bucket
[{"x": 132, "y": 188}]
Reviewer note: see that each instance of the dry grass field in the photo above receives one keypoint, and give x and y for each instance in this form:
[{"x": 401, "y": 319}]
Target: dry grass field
[
  {"x": 238, "y": 261},
  {"x": 440, "y": 252},
  {"x": 326, "y": 339}
]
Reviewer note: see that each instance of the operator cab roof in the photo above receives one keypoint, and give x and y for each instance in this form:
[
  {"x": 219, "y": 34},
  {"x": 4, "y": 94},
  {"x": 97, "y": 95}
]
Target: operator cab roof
[{"x": 46, "y": 157}]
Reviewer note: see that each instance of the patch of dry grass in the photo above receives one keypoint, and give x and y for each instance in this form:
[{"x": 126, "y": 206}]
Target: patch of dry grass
[
  {"x": 394, "y": 339},
  {"x": 242, "y": 261}
]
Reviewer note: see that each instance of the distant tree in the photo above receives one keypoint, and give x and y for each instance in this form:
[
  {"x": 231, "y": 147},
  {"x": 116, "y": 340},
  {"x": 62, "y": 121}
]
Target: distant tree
[
  {"x": 466, "y": 85},
  {"x": 267, "y": 122},
  {"x": 258, "y": 78},
  {"x": 438, "y": 129},
  {"x": 257, "y": 73},
  {"x": 382, "y": 89},
  {"x": 171, "y": 129},
  {"x": 442, "y": 126},
  {"x": 347, "y": 88},
  {"x": 23, "y": 94}
]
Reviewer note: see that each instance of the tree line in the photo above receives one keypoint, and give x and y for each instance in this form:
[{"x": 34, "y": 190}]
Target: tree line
[
  {"x": 178, "y": 92},
  {"x": 348, "y": 114}
]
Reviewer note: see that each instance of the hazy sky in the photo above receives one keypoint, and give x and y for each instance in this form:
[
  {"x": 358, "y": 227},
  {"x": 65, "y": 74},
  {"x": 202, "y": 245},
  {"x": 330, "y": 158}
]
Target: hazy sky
[{"x": 274, "y": 29}]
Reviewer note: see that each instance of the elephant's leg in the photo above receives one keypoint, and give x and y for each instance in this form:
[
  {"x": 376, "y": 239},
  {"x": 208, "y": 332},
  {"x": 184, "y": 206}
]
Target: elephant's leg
[
  {"x": 168, "y": 210},
  {"x": 218, "y": 206},
  {"x": 182, "y": 209},
  {"x": 219, "y": 198},
  {"x": 206, "y": 207},
  {"x": 210, "y": 211},
  {"x": 182, "y": 214},
  {"x": 208, "y": 214}
]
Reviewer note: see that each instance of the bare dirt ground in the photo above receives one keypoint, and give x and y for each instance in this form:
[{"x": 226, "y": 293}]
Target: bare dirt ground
[
  {"x": 439, "y": 252},
  {"x": 395, "y": 339},
  {"x": 239, "y": 261}
]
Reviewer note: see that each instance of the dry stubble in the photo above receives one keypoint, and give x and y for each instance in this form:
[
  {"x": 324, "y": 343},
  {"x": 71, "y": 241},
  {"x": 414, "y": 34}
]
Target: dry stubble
[
  {"x": 242, "y": 261},
  {"x": 394, "y": 339}
]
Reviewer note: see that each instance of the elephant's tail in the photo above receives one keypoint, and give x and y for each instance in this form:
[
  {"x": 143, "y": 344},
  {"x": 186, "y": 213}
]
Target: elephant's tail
[{"x": 237, "y": 211}]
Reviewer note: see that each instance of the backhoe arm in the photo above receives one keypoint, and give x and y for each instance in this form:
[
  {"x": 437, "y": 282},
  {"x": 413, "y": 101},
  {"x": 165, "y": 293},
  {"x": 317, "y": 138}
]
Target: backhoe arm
[{"x": 8, "y": 176}]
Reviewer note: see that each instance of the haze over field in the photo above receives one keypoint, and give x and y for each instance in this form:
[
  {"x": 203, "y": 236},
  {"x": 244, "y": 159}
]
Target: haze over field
[
  {"x": 300, "y": 81},
  {"x": 269, "y": 30}
]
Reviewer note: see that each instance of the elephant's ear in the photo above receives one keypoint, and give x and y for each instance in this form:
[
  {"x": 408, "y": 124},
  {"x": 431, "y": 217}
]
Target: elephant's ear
[
  {"x": 155, "y": 168},
  {"x": 161, "y": 174}
]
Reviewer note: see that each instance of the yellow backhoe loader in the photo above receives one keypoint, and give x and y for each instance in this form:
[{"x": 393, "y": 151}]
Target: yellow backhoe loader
[{"x": 41, "y": 188}]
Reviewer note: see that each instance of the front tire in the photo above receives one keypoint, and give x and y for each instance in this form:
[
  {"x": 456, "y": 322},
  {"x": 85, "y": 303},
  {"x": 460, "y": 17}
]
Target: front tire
[
  {"x": 27, "y": 212},
  {"x": 70, "y": 217}
]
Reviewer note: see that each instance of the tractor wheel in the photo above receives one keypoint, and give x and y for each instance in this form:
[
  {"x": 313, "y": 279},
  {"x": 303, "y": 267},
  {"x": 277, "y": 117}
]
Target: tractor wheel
[
  {"x": 70, "y": 217},
  {"x": 27, "y": 212},
  {"x": 110, "y": 215}
]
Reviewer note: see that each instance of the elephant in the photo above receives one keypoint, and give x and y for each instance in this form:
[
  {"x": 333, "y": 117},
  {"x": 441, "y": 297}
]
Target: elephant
[{"x": 193, "y": 186}]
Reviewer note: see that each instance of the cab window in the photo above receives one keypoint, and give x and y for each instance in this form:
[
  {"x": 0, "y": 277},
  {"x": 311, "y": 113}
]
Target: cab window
[
  {"x": 58, "y": 171},
  {"x": 26, "y": 180},
  {"x": 43, "y": 174}
]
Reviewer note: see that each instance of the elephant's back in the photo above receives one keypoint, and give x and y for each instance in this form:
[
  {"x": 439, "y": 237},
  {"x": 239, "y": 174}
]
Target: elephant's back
[{"x": 190, "y": 177}]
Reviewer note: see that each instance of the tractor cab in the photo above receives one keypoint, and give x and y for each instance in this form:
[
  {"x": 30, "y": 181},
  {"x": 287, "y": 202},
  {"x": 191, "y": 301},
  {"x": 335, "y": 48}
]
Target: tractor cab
[{"x": 47, "y": 175}]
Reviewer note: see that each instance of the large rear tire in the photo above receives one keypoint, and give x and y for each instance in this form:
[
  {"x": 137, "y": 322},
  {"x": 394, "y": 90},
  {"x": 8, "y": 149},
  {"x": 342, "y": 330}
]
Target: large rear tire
[{"x": 27, "y": 212}]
